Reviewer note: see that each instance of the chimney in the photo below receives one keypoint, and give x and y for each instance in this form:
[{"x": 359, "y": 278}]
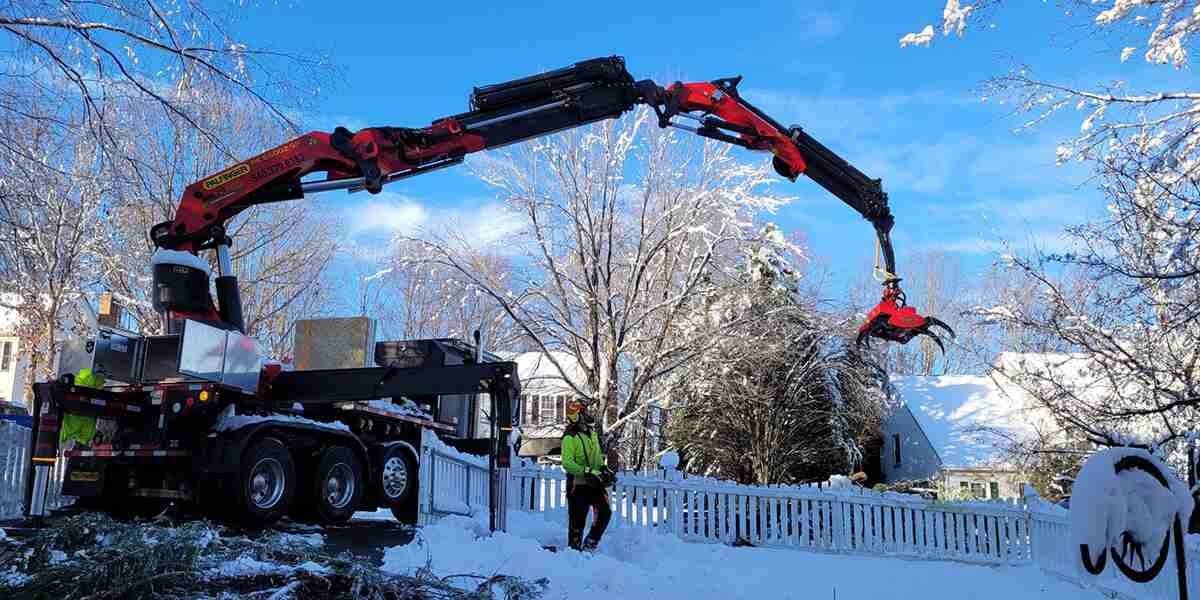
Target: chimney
[{"x": 111, "y": 311}]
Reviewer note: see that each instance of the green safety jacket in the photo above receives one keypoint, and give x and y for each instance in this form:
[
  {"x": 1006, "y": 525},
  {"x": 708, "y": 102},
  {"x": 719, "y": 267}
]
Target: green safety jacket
[
  {"x": 581, "y": 453},
  {"x": 81, "y": 428}
]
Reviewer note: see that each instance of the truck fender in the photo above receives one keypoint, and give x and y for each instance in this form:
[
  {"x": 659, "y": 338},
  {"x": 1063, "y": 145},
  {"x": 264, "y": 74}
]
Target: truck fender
[
  {"x": 407, "y": 446},
  {"x": 227, "y": 447}
]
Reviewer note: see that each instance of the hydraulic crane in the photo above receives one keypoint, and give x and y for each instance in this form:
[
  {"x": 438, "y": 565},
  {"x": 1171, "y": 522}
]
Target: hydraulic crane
[
  {"x": 196, "y": 416},
  {"x": 504, "y": 114}
]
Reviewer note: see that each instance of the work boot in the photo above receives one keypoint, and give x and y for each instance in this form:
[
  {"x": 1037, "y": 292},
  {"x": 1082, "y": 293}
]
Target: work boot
[{"x": 589, "y": 545}]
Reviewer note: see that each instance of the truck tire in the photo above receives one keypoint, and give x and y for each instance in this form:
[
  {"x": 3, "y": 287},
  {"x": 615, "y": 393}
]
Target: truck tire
[
  {"x": 337, "y": 485},
  {"x": 398, "y": 484},
  {"x": 265, "y": 485}
]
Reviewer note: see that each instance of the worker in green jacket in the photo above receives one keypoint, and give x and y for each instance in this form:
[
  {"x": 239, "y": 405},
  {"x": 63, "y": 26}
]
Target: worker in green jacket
[
  {"x": 81, "y": 428},
  {"x": 588, "y": 476}
]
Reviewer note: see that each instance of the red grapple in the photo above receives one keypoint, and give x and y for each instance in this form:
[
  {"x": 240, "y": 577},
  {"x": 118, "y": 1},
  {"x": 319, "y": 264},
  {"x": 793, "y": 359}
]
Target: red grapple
[{"x": 893, "y": 321}]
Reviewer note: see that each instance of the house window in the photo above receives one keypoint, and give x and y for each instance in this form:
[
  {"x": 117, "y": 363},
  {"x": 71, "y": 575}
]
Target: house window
[
  {"x": 530, "y": 409},
  {"x": 6, "y": 356},
  {"x": 896, "y": 447},
  {"x": 547, "y": 406},
  {"x": 977, "y": 489},
  {"x": 560, "y": 408},
  {"x": 995, "y": 489},
  {"x": 965, "y": 487}
]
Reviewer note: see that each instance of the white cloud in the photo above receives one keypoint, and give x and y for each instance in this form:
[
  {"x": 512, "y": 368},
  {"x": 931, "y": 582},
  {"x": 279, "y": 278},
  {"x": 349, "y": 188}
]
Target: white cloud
[
  {"x": 482, "y": 223},
  {"x": 387, "y": 212}
]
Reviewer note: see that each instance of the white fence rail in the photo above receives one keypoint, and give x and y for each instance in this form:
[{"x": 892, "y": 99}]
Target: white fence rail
[
  {"x": 14, "y": 467},
  {"x": 846, "y": 520},
  {"x": 707, "y": 510},
  {"x": 451, "y": 482}
]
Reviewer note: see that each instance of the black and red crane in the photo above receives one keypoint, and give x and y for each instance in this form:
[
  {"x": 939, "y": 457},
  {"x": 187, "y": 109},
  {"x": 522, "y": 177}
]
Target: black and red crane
[{"x": 503, "y": 114}]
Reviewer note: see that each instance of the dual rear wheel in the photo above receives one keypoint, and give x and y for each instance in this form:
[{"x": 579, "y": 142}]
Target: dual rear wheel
[{"x": 270, "y": 485}]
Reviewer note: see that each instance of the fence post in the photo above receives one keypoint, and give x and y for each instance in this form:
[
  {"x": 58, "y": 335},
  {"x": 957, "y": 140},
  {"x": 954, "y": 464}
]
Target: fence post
[{"x": 670, "y": 486}]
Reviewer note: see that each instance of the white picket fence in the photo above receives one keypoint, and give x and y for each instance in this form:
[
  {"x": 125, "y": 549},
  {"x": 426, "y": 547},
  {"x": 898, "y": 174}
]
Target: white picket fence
[
  {"x": 451, "y": 482},
  {"x": 847, "y": 520},
  {"x": 707, "y": 510},
  {"x": 14, "y": 465}
]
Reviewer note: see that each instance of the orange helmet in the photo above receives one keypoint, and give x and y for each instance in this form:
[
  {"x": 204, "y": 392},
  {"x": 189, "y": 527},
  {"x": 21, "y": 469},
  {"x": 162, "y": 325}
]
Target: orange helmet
[{"x": 574, "y": 408}]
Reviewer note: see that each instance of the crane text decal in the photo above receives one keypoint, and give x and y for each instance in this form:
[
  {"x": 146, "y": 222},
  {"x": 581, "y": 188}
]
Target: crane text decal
[
  {"x": 226, "y": 176},
  {"x": 277, "y": 168}
]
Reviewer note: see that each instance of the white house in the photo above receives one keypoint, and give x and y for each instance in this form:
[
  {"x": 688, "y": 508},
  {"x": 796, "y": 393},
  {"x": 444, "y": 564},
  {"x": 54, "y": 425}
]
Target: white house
[
  {"x": 15, "y": 352},
  {"x": 953, "y": 431},
  {"x": 14, "y": 360},
  {"x": 544, "y": 396}
]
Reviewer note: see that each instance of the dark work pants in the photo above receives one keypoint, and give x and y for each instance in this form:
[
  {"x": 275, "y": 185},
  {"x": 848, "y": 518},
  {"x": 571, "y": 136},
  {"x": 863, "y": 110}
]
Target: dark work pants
[{"x": 581, "y": 499}]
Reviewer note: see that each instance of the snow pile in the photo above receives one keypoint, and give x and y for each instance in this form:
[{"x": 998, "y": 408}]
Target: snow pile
[
  {"x": 229, "y": 420},
  {"x": 436, "y": 443},
  {"x": 1105, "y": 504},
  {"x": 175, "y": 257},
  {"x": 669, "y": 460},
  {"x": 407, "y": 408},
  {"x": 634, "y": 562},
  {"x": 248, "y": 566}
]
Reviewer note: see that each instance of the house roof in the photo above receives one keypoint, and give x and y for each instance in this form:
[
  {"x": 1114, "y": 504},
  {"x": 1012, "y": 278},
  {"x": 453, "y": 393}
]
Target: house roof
[
  {"x": 971, "y": 419},
  {"x": 538, "y": 372}
]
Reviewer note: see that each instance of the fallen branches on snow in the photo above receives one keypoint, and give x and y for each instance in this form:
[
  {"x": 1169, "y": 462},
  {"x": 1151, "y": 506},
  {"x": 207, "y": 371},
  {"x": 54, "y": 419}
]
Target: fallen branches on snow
[{"x": 93, "y": 557}]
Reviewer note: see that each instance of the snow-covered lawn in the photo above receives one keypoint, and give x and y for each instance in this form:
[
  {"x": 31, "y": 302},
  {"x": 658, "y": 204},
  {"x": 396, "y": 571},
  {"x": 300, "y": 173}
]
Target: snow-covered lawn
[{"x": 635, "y": 563}]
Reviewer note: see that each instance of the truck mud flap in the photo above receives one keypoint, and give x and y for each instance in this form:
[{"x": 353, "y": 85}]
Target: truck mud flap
[{"x": 84, "y": 477}]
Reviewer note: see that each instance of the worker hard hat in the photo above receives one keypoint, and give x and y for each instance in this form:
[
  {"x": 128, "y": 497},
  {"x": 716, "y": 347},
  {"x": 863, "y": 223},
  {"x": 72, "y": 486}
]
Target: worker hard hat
[{"x": 574, "y": 409}]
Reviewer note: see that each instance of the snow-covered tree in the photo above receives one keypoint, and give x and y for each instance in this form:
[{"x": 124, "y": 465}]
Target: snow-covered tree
[
  {"x": 413, "y": 297},
  {"x": 87, "y": 89},
  {"x": 780, "y": 395},
  {"x": 280, "y": 251},
  {"x": 107, "y": 111},
  {"x": 76, "y": 60},
  {"x": 626, "y": 230},
  {"x": 1135, "y": 320},
  {"x": 50, "y": 201}
]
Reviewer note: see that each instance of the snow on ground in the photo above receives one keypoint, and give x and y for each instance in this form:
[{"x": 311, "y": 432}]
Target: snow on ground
[
  {"x": 382, "y": 514},
  {"x": 636, "y": 563}
]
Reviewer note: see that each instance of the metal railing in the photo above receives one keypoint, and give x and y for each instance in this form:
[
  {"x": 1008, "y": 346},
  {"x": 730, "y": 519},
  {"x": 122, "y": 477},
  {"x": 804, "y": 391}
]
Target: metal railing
[{"x": 14, "y": 468}]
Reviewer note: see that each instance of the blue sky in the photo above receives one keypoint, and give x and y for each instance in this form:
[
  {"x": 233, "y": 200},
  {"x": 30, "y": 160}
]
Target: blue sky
[{"x": 959, "y": 178}]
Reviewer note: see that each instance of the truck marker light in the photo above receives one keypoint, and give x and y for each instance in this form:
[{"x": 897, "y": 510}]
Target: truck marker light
[{"x": 204, "y": 396}]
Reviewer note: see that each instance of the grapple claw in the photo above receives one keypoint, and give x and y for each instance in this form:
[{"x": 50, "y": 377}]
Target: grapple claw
[
  {"x": 893, "y": 321},
  {"x": 936, "y": 322},
  {"x": 937, "y": 340}
]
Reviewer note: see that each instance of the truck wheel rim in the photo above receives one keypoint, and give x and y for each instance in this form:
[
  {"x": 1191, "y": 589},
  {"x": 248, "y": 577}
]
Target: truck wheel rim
[
  {"x": 395, "y": 477},
  {"x": 339, "y": 485},
  {"x": 266, "y": 483}
]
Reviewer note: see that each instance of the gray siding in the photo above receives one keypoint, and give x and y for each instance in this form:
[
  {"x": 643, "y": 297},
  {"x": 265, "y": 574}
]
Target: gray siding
[{"x": 918, "y": 459}]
